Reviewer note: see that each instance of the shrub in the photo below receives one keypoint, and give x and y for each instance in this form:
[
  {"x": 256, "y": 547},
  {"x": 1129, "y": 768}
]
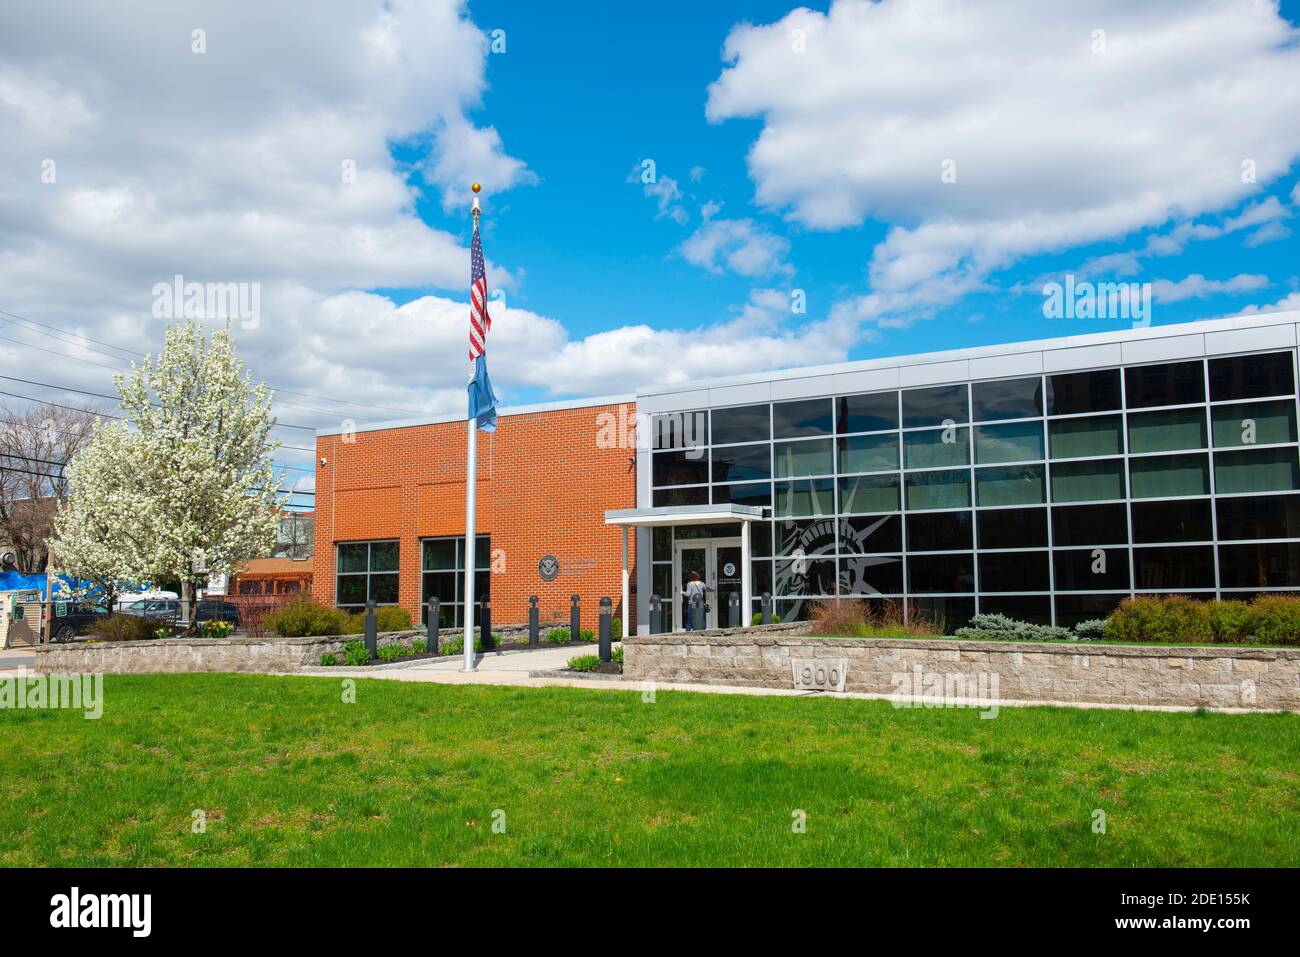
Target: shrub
[
  {"x": 616, "y": 627},
  {"x": 420, "y": 646},
  {"x": 454, "y": 646},
  {"x": 1172, "y": 619},
  {"x": 840, "y": 617},
  {"x": 388, "y": 652},
  {"x": 1094, "y": 629},
  {"x": 122, "y": 628},
  {"x": 758, "y": 619},
  {"x": 1274, "y": 620},
  {"x": 558, "y": 636},
  {"x": 617, "y": 653},
  {"x": 355, "y": 653},
  {"x": 303, "y": 618},
  {"x": 585, "y": 662},
  {"x": 329, "y": 658},
  {"x": 586, "y": 634},
  {"x": 1009, "y": 629},
  {"x": 391, "y": 618},
  {"x": 1230, "y": 621}
]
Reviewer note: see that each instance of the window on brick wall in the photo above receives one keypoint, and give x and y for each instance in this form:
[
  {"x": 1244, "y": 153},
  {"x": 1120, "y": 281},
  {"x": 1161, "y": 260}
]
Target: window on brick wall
[
  {"x": 367, "y": 571},
  {"x": 443, "y": 575}
]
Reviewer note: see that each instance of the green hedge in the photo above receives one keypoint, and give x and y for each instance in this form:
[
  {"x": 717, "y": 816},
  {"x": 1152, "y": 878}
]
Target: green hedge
[
  {"x": 1175, "y": 619},
  {"x": 303, "y": 618}
]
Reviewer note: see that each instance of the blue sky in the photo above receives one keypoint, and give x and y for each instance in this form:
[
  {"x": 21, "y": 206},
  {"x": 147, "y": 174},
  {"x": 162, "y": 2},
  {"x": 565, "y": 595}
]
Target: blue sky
[{"x": 585, "y": 94}]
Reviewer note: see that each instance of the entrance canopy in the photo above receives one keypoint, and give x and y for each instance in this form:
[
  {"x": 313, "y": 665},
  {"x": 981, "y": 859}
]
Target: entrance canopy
[{"x": 669, "y": 515}]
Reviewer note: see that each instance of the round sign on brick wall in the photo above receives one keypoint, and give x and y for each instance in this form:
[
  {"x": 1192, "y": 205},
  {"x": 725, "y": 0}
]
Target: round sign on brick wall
[{"x": 548, "y": 568}]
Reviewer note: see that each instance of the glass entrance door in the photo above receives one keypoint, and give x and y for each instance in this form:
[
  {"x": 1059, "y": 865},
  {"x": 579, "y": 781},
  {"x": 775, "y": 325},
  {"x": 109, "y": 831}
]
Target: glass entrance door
[{"x": 718, "y": 562}]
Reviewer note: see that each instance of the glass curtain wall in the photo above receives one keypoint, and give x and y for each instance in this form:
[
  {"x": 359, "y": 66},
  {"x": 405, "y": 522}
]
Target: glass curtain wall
[{"x": 1047, "y": 498}]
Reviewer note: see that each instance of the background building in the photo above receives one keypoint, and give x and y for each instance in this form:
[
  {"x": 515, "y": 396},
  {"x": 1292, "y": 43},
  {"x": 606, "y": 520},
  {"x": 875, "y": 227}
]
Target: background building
[{"x": 1045, "y": 480}]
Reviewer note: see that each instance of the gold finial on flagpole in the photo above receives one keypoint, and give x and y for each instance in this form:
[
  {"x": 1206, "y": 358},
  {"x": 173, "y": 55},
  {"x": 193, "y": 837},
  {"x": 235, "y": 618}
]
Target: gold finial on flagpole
[{"x": 476, "y": 187}]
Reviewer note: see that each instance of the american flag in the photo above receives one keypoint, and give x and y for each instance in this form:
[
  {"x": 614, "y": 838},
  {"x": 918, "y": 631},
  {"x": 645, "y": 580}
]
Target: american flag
[{"x": 479, "y": 320}]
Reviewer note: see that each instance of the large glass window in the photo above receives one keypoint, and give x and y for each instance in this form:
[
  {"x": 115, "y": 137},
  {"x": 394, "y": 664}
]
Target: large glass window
[
  {"x": 1090, "y": 569},
  {"x": 935, "y": 406},
  {"x": 1032, "y": 608},
  {"x": 367, "y": 571},
  {"x": 745, "y": 423},
  {"x": 1166, "y": 476},
  {"x": 940, "y": 531},
  {"x": 1013, "y": 442},
  {"x": 1256, "y": 470},
  {"x": 674, "y": 497},
  {"x": 936, "y": 448},
  {"x": 1007, "y": 399},
  {"x": 869, "y": 453},
  {"x": 1012, "y": 528},
  {"x": 443, "y": 576},
  {"x": 1166, "y": 431},
  {"x": 927, "y": 490},
  {"x": 1177, "y": 383},
  {"x": 871, "y": 575},
  {"x": 1251, "y": 377},
  {"x": 1074, "y": 393},
  {"x": 935, "y": 574},
  {"x": 1086, "y": 438},
  {"x": 875, "y": 533},
  {"x": 874, "y": 412},
  {"x": 1269, "y": 516},
  {"x": 1259, "y": 565},
  {"x": 1015, "y": 571},
  {"x": 1165, "y": 568},
  {"x": 805, "y": 418},
  {"x": 679, "y": 430},
  {"x": 753, "y": 494},
  {"x": 687, "y": 467},
  {"x": 806, "y": 497},
  {"x": 742, "y": 463},
  {"x": 1088, "y": 481},
  {"x": 1254, "y": 423},
  {"x": 810, "y": 457},
  {"x": 1172, "y": 521},
  {"x": 869, "y": 493},
  {"x": 1009, "y": 485},
  {"x": 1090, "y": 525}
]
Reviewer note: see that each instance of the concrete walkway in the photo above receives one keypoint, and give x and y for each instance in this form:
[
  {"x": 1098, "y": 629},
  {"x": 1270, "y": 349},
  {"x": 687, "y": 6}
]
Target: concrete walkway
[{"x": 12, "y": 659}]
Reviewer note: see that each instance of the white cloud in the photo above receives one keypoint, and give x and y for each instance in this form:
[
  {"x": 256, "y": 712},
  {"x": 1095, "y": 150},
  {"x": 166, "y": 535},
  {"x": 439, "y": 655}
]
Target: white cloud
[
  {"x": 1054, "y": 145},
  {"x": 1287, "y": 303},
  {"x": 1197, "y": 286},
  {"x": 739, "y": 245}
]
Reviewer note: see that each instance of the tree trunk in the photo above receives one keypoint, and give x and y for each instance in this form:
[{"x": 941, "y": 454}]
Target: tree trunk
[{"x": 187, "y": 602}]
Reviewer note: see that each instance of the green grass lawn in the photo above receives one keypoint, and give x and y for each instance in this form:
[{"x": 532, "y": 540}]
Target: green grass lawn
[{"x": 287, "y": 774}]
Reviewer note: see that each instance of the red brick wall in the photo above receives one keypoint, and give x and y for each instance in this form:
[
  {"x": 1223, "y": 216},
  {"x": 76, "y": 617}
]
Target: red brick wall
[{"x": 543, "y": 488}]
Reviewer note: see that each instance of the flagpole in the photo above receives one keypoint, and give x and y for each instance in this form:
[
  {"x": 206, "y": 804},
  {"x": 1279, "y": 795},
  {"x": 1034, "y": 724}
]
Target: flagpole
[{"x": 471, "y": 514}]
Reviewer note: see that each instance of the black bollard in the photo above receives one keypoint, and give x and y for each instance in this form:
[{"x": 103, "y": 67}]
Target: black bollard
[
  {"x": 606, "y": 628},
  {"x": 733, "y": 609},
  {"x": 534, "y": 625},
  {"x": 485, "y": 624},
  {"x": 433, "y": 625},
  {"x": 575, "y": 620},
  {"x": 656, "y": 615},
  {"x": 766, "y": 605},
  {"x": 372, "y": 631}
]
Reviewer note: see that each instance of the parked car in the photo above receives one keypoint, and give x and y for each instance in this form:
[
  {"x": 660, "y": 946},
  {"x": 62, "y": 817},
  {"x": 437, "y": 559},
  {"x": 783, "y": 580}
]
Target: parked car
[
  {"x": 217, "y": 611},
  {"x": 162, "y": 609},
  {"x": 77, "y": 619},
  {"x": 124, "y": 600}
]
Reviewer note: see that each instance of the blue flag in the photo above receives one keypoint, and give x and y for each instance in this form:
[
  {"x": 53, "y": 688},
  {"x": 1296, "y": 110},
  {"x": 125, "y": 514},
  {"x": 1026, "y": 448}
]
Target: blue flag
[{"x": 482, "y": 400}]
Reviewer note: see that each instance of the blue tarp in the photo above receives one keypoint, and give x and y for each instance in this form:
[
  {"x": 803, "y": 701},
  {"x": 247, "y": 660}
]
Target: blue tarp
[{"x": 17, "y": 581}]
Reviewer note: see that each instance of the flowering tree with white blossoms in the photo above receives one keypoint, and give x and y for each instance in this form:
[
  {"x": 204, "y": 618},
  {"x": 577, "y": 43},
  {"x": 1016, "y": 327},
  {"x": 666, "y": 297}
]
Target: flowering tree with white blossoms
[{"x": 204, "y": 496}]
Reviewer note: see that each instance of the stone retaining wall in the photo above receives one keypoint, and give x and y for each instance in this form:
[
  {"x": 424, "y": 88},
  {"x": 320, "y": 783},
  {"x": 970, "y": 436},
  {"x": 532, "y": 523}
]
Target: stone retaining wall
[{"x": 1252, "y": 678}]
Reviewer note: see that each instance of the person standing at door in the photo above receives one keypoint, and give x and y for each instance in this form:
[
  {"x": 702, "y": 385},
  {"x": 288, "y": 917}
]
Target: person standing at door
[{"x": 693, "y": 588}]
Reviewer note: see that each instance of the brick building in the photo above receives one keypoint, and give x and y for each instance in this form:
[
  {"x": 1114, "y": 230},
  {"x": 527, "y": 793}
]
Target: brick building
[{"x": 390, "y": 510}]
